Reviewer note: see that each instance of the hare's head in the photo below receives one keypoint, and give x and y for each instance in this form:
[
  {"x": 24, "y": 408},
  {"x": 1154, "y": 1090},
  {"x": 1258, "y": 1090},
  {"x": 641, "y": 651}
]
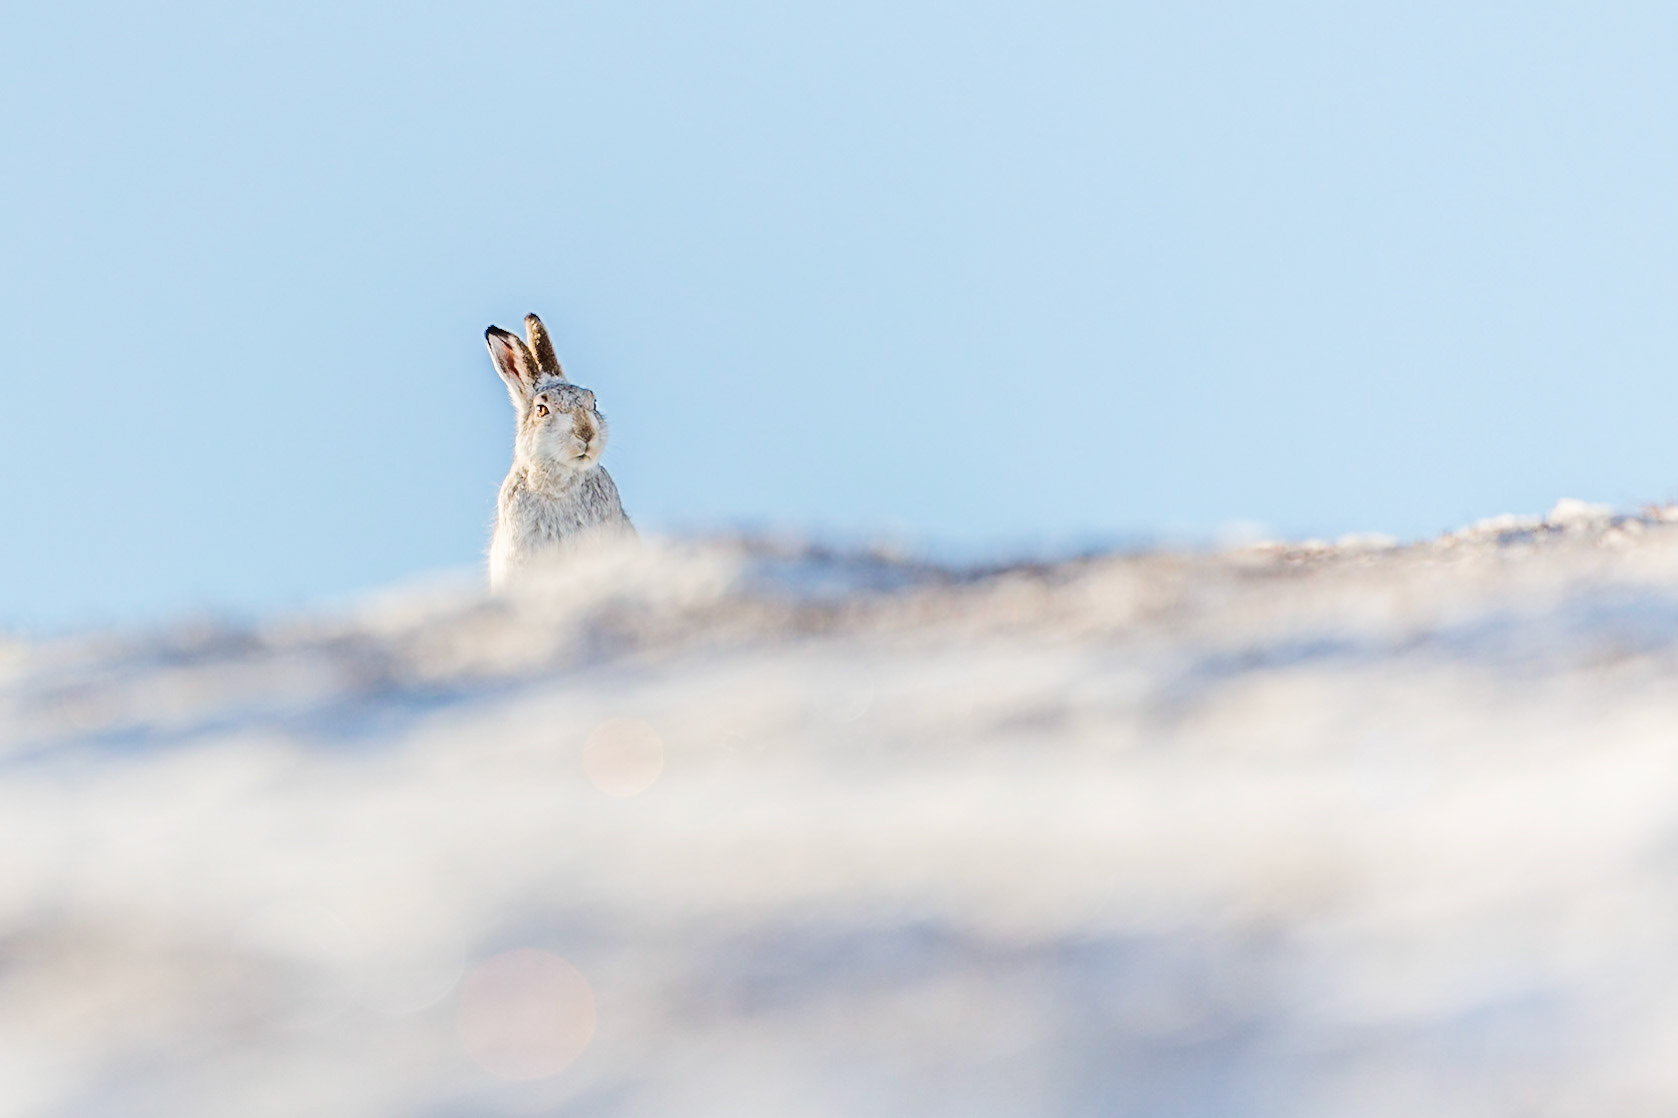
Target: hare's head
[{"x": 558, "y": 426}]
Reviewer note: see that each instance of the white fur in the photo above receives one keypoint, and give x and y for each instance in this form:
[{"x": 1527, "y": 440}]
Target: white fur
[{"x": 557, "y": 494}]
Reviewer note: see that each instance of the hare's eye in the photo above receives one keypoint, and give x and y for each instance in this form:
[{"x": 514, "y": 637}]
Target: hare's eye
[{"x": 542, "y": 411}]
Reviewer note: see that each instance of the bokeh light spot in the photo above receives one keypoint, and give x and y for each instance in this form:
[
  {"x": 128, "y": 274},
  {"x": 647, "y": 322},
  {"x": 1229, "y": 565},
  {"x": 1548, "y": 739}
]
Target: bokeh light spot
[
  {"x": 623, "y": 756},
  {"x": 525, "y": 1015}
]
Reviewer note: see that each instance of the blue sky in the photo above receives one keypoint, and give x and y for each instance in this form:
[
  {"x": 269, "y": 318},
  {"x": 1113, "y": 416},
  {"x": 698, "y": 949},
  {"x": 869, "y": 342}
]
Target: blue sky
[{"x": 962, "y": 276}]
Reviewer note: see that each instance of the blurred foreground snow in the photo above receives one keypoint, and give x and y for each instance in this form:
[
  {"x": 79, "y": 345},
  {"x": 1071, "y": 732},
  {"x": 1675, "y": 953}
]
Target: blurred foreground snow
[{"x": 710, "y": 829}]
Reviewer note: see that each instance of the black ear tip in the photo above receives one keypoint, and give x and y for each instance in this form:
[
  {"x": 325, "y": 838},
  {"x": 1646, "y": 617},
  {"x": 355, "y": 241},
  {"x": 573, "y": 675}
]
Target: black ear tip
[{"x": 494, "y": 332}]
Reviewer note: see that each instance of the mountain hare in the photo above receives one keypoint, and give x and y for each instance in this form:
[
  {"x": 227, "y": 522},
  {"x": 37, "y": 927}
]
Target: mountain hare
[{"x": 557, "y": 494}]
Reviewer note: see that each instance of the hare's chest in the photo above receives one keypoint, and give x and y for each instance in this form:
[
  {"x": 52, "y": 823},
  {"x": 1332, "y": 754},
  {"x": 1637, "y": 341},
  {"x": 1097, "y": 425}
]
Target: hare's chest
[
  {"x": 533, "y": 520},
  {"x": 531, "y": 523}
]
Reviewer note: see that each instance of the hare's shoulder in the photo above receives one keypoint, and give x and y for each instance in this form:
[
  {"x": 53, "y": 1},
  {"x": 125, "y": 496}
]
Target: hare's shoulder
[{"x": 600, "y": 493}]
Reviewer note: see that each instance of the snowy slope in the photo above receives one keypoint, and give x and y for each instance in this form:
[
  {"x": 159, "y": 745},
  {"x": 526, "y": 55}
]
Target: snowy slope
[{"x": 713, "y": 829}]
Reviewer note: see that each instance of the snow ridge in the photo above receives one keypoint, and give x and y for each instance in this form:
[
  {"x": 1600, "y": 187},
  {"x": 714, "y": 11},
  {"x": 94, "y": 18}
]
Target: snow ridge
[{"x": 1318, "y": 829}]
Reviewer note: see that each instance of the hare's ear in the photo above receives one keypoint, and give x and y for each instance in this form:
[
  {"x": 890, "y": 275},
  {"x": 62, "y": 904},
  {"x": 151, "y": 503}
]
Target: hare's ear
[
  {"x": 516, "y": 364},
  {"x": 543, "y": 347}
]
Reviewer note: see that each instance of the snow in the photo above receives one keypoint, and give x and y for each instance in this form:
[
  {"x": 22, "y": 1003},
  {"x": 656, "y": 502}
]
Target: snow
[{"x": 717, "y": 828}]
